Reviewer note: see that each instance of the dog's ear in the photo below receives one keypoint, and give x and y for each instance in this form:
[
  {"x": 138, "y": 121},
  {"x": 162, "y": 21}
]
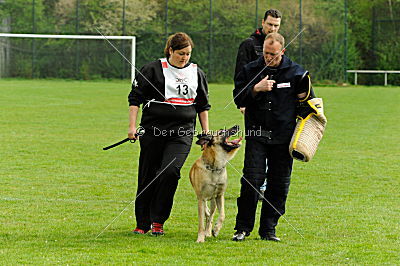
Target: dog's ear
[{"x": 203, "y": 139}]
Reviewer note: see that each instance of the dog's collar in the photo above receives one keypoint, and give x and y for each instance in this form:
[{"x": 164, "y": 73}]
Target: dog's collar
[{"x": 213, "y": 169}]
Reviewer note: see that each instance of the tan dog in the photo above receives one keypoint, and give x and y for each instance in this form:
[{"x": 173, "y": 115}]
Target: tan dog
[{"x": 209, "y": 179}]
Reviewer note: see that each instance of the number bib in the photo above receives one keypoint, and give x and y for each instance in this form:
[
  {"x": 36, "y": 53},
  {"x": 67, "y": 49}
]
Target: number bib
[{"x": 180, "y": 83}]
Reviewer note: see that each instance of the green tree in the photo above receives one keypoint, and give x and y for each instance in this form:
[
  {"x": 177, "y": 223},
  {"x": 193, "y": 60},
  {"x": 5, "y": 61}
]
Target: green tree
[
  {"x": 375, "y": 29},
  {"x": 104, "y": 15}
]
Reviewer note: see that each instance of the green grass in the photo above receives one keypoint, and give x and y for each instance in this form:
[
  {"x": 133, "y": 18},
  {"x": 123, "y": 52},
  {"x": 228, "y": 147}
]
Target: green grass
[{"x": 59, "y": 190}]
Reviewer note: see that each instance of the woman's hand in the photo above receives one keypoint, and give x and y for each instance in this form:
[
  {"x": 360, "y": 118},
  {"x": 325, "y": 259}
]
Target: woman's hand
[{"x": 132, "y": 133}]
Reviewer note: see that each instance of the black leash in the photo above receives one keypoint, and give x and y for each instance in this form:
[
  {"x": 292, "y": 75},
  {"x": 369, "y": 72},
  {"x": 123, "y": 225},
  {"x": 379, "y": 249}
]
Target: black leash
[
  {"x": 119, "y": 143},
  {"x": 139, "y": 133}
]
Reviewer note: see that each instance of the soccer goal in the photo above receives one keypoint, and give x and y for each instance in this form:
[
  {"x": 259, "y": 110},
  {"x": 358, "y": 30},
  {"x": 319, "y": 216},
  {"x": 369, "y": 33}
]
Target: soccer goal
[{"x": 67, "y": 56}]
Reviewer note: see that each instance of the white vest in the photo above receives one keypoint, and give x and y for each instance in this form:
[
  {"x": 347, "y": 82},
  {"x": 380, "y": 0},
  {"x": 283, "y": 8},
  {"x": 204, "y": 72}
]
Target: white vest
[{"x": 180, "y": 83}]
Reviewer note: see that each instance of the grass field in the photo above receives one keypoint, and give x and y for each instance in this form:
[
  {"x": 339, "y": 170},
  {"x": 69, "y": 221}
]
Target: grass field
[{"x": 59, "y": 190}]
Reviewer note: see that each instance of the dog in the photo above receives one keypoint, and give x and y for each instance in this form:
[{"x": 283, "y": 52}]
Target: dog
[{"x": 209, "y": 179}]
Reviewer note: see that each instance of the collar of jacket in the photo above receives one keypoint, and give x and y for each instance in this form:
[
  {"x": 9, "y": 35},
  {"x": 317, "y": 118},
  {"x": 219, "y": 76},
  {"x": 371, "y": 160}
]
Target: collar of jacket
[
  {"x": 285, "y": 63},
  {"x": 259, "y": 34}
]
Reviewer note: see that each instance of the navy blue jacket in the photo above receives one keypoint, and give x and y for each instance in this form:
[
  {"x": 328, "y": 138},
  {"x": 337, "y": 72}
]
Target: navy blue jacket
[{"x": 272, "y": 112}]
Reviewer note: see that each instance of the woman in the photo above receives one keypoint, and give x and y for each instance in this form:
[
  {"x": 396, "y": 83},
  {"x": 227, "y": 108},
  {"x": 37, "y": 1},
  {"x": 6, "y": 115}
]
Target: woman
[{"x": 172, "y": 91}]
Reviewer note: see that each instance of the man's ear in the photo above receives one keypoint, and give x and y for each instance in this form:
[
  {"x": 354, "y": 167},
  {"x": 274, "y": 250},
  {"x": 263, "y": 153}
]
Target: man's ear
[
  {"x": 283, "y": 50},
  {"x": 203, "y": 139}
]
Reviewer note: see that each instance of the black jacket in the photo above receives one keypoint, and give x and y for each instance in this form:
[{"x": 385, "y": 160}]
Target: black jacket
[
  {"x": 158, "y": 116},
  {"x": 249, "y": 50},
  {"x": 273, "y": 112}
]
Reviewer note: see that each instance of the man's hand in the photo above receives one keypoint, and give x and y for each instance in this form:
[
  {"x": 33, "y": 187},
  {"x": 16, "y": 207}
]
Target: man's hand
[
  {"x": 242, "y": 110},
  {"x": 264, "y": 85}
]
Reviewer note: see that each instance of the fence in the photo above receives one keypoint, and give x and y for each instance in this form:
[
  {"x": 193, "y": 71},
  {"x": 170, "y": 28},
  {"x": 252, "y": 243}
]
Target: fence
[
  {"x": 331, "y": 43},
  {"x": 384, "y": 72}
]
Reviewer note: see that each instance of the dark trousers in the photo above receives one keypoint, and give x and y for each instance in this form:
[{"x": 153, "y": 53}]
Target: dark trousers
[
  {"x": 160, "y": 162},
  {"x": 254, "y": 173}
]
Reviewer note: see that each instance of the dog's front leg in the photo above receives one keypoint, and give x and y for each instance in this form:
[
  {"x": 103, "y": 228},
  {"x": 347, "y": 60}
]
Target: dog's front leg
[
  {"x": 201, "y": 211},
  {"x": 210, "y": 217},
  {"x": 221, "y": 208}
]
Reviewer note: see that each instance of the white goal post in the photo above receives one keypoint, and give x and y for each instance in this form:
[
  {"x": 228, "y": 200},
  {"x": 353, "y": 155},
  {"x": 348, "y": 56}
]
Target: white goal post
[{"x": 83, "y": 37}]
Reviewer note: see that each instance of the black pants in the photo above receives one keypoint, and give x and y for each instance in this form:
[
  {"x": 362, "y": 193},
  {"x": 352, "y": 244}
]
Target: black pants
[
  {"x": 160, "y": 162},
  {"x": 254, "y": 173}
]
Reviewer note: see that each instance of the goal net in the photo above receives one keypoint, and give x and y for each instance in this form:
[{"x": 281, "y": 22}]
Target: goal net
[{"x": 67, "y": 56}]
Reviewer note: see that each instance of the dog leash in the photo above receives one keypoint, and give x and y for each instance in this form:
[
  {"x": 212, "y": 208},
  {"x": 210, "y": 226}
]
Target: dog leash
[{"x": 139, "y": 133}]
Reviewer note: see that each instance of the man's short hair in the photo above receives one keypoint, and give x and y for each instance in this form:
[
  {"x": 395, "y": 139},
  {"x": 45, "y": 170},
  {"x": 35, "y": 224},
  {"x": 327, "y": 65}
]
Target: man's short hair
[
  {"x": 273, "y": 13},
  {"x": 275, "y": 37}
]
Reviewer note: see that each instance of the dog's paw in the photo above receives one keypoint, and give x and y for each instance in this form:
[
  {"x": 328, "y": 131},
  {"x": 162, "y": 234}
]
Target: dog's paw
[
  {"x": 215, "y": 233},
  {"x": 200, "y": 240}
]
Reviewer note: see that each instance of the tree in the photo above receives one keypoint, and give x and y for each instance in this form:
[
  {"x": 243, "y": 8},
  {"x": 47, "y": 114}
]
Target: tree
[{"x": 104, "y": 15}]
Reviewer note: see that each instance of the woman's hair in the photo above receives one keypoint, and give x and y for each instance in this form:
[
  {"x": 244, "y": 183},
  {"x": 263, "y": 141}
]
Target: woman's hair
[{"x": 177, "y": 41}]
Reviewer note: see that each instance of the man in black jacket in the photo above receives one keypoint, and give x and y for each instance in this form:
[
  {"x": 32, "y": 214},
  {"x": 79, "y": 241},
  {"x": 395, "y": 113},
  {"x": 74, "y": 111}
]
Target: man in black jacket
[
  {"x": 251, "y": 48},
  {"x": 271, "y": 89}
]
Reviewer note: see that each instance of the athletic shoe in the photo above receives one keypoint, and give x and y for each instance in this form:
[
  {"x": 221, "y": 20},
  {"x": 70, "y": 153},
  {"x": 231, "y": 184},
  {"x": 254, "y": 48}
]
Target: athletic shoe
[
  {"x": 157, "y": 229},
  {"x": 139, "y": 231},
  {"x": 270, "y": 236},
  {"x": 240, "y": 235}
]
